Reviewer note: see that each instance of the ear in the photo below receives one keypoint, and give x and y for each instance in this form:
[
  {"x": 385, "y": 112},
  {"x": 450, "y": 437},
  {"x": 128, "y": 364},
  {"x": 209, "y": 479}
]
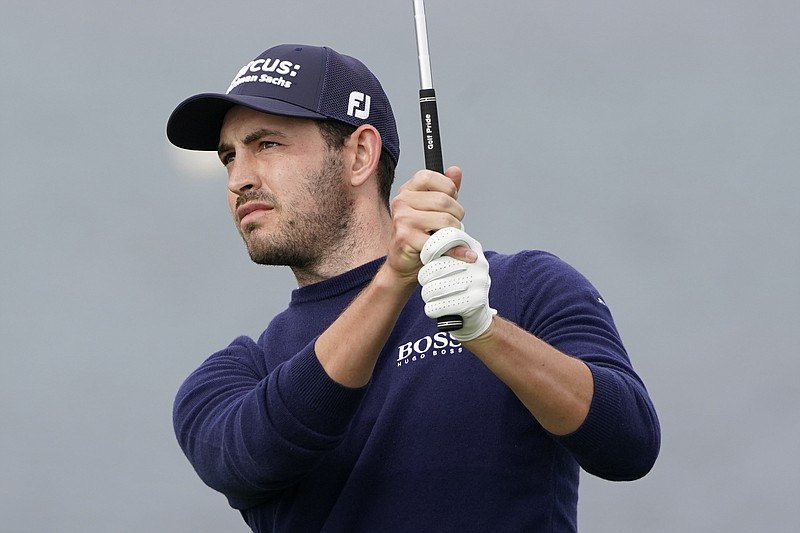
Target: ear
[{"x": 366, "y": 145}]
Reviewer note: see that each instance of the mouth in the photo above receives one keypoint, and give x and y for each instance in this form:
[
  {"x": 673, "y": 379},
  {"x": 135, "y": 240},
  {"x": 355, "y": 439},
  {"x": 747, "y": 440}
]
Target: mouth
[{"x": 250, "y": 211}]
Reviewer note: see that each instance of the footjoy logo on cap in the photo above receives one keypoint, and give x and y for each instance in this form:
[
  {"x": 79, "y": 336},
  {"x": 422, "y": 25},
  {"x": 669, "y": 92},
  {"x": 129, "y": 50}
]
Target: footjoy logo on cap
[
  {"x": 268, "y": 67},
  {"x": 354, "y": 106}
]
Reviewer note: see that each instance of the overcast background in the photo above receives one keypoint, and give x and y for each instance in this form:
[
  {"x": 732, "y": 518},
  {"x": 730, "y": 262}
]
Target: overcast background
[{"x": 653, "y": 145}]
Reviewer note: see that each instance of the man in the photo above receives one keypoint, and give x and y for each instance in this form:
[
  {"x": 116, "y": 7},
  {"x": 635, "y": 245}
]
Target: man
[{"x": 352, "y": 412}]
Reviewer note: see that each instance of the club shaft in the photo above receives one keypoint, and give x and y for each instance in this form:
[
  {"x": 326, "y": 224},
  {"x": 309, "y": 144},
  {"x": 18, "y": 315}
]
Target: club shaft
[{"x": 425, "y": 77}]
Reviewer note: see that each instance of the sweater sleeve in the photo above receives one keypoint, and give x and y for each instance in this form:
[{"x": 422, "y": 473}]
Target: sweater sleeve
[
  {"x": 248, "y": 433},
  {"x": 621, "y": 436}
]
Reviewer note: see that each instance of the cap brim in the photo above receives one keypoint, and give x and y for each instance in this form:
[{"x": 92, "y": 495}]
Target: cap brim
[{"x": 196, "y": 122}]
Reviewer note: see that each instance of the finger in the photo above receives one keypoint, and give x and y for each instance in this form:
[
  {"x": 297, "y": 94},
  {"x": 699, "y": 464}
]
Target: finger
[
  {"x": 412, "y": 228},
  {"x": 416, "y": 226},
  {"x": 428, "y": 180},
  {"x": 426, "y": 211},
  {"x": 455, "y": 175},
  {"x": 463, "y": 253},
  {"x": 432, "y": 201},
  {"x": 452, "y": 242}
]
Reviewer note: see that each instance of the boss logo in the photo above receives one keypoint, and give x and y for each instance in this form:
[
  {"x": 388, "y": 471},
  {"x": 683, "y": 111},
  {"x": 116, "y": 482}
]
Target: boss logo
[{"x": 439, "y": 344}]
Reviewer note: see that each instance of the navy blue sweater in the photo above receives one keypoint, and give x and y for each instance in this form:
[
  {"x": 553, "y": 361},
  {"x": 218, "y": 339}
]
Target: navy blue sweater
[{"x": 435, "y": 442}]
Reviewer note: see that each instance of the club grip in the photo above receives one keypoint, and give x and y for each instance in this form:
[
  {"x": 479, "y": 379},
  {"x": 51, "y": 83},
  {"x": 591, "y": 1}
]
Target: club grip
[
  {"x": 432, "y": 148},
  {"x": 431, "y": 142}
]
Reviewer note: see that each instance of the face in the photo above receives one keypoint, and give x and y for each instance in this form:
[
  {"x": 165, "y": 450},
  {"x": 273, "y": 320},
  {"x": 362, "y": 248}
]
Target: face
[{"x": 286, "y": 188}]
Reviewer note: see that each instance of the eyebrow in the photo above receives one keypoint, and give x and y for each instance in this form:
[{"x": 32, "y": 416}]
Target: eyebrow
[{"x": 250, "y": 138}]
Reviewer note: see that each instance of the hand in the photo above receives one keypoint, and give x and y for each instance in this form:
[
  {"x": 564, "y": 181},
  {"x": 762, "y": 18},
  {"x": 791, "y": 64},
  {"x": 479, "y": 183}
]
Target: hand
[
  {"x": 426, "y": 203},
  {"x": 454, "y": 287}
]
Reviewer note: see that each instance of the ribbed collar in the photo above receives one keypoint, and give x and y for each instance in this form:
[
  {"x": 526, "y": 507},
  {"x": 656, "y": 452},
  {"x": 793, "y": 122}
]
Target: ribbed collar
[{"x": 337, "y": 285}]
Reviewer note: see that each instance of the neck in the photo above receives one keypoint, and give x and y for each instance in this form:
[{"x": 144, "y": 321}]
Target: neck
[{"x": 367, "y": 240}]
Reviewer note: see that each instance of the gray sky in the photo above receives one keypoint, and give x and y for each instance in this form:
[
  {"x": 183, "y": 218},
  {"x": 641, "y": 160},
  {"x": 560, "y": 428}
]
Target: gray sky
[{"x": 653, "y": 145}]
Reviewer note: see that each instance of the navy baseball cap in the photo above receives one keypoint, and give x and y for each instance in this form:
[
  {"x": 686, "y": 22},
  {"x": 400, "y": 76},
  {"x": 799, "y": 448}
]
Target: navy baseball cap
[{"x": 296, "y": 81}]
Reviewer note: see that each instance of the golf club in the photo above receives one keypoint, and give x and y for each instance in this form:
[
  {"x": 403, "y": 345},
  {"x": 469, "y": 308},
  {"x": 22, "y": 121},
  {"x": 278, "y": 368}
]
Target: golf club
[{"x": 430, "y": 124}]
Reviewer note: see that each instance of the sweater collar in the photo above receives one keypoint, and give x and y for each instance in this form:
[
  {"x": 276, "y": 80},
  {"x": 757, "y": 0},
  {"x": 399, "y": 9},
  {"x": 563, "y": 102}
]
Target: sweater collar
[{"x": 337, "y": 285}]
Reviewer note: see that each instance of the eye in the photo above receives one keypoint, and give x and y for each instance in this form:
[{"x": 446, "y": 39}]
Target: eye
[
  {"x": 264, "y": 145},
  {"x": 227, "y": 158}
]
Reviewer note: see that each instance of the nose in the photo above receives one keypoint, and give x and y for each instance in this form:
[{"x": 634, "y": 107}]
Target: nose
[{"x": 242, "y": 175}]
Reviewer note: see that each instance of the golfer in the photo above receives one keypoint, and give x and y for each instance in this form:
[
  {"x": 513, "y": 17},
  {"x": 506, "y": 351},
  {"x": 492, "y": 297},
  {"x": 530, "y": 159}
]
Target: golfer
[{"x": 352, "y": 412}]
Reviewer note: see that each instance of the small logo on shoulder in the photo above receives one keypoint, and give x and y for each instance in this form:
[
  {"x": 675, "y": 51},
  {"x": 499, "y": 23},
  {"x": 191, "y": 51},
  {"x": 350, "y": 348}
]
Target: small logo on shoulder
[{"x": 358, "y": 106}]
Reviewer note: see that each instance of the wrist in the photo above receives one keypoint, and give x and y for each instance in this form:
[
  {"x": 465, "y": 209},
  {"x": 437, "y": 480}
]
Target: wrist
[
  {"x": 476, "y": 326},
  {"x": 392, "y": 281},
  {"x": 485, "y": 337}
]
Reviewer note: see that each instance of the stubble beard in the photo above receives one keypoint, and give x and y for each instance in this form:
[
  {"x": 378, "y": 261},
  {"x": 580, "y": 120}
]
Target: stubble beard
[{"x": 306, "y": 235}]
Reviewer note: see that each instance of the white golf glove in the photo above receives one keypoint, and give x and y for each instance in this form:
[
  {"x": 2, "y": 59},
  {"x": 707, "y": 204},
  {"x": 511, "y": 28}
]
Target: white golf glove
[{"x": 454, "y": 287}]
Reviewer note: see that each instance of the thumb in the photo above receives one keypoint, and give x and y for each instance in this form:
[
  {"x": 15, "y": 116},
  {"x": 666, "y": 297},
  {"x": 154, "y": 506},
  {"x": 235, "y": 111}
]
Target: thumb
[{"x": 454, "y": 173}]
